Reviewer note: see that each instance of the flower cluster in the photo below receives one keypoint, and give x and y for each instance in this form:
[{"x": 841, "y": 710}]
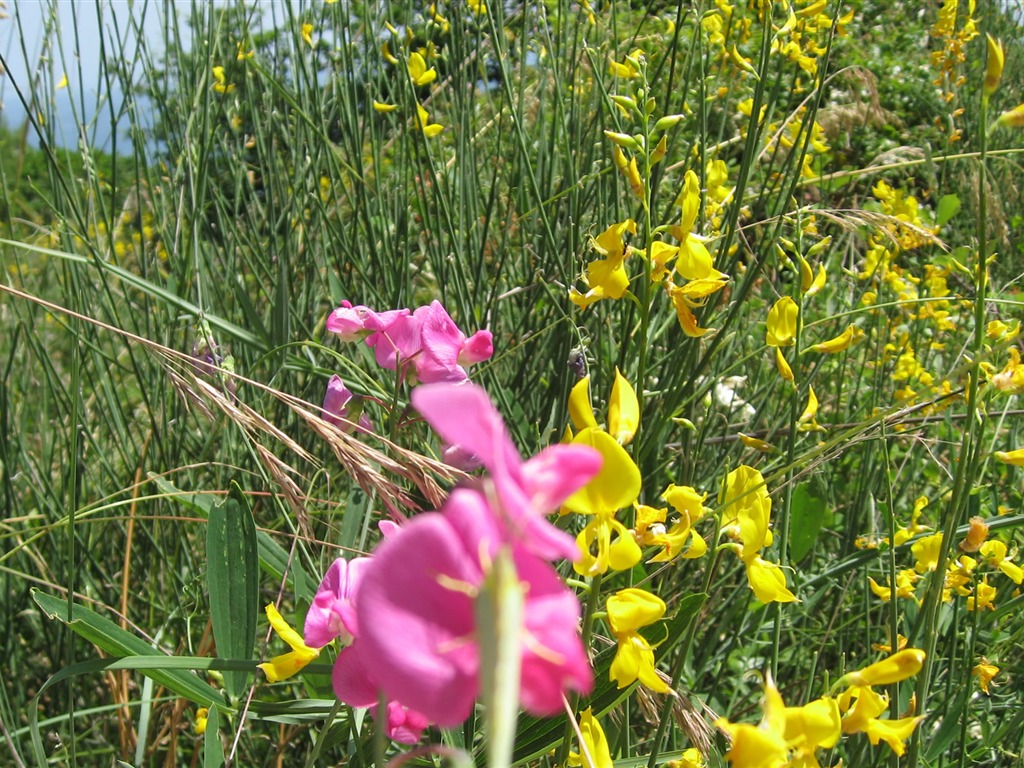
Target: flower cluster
[
  {"x": 409, "y": 615},
  {"x": 423, "y": 345},
  {"x": 792, "y": 735}
]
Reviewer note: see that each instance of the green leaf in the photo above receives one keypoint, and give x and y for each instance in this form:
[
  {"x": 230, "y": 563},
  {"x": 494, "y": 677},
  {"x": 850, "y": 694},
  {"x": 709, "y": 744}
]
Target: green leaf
[
  {"x": 110, "y": 638},
  {"x": 808, "y": 516},
  {"x": 213, "y": 747},
  {"x": 232, "y": 575},
  {"x": 949, "y": 206},
  {"x": 273, "y": 557}
]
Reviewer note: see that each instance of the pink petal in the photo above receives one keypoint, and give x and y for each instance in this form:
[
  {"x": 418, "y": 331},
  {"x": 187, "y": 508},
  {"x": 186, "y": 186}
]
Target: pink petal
[
  {"x": 336, "y": 398},
  {"x": 353, "y": 677},
  {"x": 405, "y": 725},
  {"x": 416, "y": 627},
  {"x": 351, "y": 323},
  {"x": 332, "y": 613},
  {"x": 479, "y": 347}
]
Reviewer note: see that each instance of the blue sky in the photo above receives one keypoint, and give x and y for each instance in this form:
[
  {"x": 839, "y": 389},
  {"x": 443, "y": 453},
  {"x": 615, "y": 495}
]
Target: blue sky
[{"x": 82, "y": 25}]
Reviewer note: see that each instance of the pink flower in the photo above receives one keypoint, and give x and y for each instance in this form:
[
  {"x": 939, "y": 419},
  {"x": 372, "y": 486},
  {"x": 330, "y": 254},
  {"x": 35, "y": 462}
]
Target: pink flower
[
  {"x": 333, "y": 615},
  {"x": 463, "y": 415},
  {"x": 336, "y": 400},
  {"x": 445, "y": 349},
  {"x": 425, "y": 345},
  {"x": 417, "y": 622}
]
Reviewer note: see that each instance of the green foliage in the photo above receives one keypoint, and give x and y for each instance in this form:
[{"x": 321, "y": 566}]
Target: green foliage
[{"x": 164, "y": 348}]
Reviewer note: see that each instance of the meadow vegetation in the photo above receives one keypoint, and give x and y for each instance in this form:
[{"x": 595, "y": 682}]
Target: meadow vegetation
[{"x": 700, "y": 323}]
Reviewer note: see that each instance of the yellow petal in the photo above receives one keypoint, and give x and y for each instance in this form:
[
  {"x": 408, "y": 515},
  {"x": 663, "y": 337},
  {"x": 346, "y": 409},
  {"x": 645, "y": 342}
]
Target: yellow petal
[
  {"x": 782, "y": 365},
  {"x": 838, "y": 343},
  {"x": 615, "y": 486},
  {"x": 993, "y": 65},
  {"x": 287, "y": 664},
  {"x": 623, "y": 410},
  {"x": 782, "y": 320},
  {"x": 580, "y": 412},
  {"x": 894, "y": 669},
  {"x": 1014, "y": 458}
]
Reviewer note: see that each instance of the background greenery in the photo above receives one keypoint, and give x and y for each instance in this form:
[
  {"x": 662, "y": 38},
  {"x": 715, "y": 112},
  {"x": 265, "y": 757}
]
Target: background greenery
[{"x": 247, "y": 212}]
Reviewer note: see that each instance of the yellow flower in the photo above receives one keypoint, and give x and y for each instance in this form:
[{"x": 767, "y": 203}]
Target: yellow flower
[
  {"x": 623, "y": 410},
  {"x": 629, "y": 169},
  {"x": 976, "y": 535},
  {"x": 808, "y": 421},
  {"x": 993, "y": 65},
  {"x": 994, "y": 553},
  {"x": 594, "y": 751},
  {"x": 605, "y": 543},
  {"x": 606, "y": 278},
  {"x": 837, "y": 344},
  {"x": 220, "y": 84},
  {"x": 782, "y": 365},
  {"x": 1010, "y": 380},
  {"x": 284, "y": 666},
  {"x": 926, "y": 552},
  {"x": 687, "y": 320},
  {"x": 898, "y": 667},
  {"x": 418, "y": 71},
  {"x": 782, "y": 320},
  {"x": 63, "y": 82},
  {"x": 756, "y": 443},
  {"x": 762, "y": 745},
  {"x": 1014, "y": 458},
  {"x": 984, "y": 597},
  {"x": 202, "y": 718},
  {"x": 810, "y": 284},
  {"x": 423, "y": 122},
  {"x": 628, "y": 611},
  {"x": 1013, "y": 118},
  {"x": 984, "y": 672},
  {"x": 746, "y": 506},
  {"x": 768, "y": 581},
  {"x": 615, "y": 486},
  {"x": 380, "y": 106},
  {"x": 691, "y": 758},
  {"x": 307, "y": 34}
]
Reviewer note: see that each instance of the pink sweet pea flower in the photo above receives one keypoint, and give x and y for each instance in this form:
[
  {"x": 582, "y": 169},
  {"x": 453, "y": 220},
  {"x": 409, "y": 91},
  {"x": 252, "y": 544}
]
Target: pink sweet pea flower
[
  {"x": 336, "y": 400},
  {"x": 445, "y": 349},
  {"x": 333, "y": 615},
  {"x": 353, "y": 323},
  {"x": 417, "y": 617},
  {"x": 463, "y": 415}
]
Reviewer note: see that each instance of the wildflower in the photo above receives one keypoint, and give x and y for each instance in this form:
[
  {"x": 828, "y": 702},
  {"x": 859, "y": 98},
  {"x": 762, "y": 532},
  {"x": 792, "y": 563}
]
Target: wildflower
[
  {"x": 284, "y": 666},
  {"x": 606, "y": 278},
  {"x": 463, "y": 415},
  {"x": 896, "y": 668},
  {"x": 202, "y": 717},
  {"x": 756, "y": 443},
  {"x": 417, "y": 614},
  {"x": 995, "y": 555},
  {"x": 808, "y": 421},
  {"x": 430, "y": 130},
  {"x": 838, "y": 344},
  {"x": 763, "y": 745},
  {"x": 984, "y": 597},
  {"x": 809, "y": 284},
  {"x": 220, "y": 83},
  {"x": 993, "y": 65},
  {"x": 63, "y": 82},
  {"x": 419, "y": 73},
  {"x": 1014, "y": 458},
  {"x": 594, "y": 751},
  {"x": 336, "y": 400},
  {"x": 1010, "y": 380},
  {"x": 690, "y": 758},
  {"x": 604, "y": 541},
  {"x": 905, "y": 581},
  {"x": 862, "y": 706},
  {"x": 307, "y": 34},
  {"x": 782, "y": 323},
  {"x": 380, "y": 106},
  {"x": 629, "y": 169},
  {"x": 628, "y": 611},
  {"x": 926, "y": 552},
  {"x": 746, "y": 501},
  {"x": 1013, "y": 118},
  {"x": 333, "y": 616},
  {"x": 781, "y": 364},
  {"x": 985, "y": 672},
  {"x": 694, "y": 262},
  {"x": 976, "y": 535}
]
